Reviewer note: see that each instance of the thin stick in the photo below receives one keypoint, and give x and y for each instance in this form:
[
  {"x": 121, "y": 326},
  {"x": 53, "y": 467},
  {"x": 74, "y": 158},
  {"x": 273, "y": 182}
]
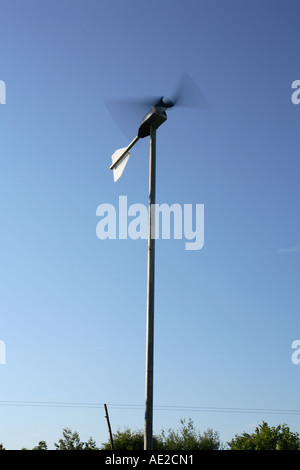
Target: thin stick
[
  {"x": 109, "y": 428},
  {"x": 124, "y": 153}
]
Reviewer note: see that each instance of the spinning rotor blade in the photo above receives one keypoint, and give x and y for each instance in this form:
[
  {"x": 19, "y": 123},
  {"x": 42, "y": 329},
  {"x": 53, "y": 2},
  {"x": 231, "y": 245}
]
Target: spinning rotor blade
[
  {"x": 128, "y": 113},
  {"x": 188, "y": 94}
]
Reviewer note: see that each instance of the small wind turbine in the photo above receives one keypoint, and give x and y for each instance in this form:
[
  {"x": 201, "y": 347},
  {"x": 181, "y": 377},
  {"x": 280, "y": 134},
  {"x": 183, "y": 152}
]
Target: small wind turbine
[{"x": 188, "y": 94}]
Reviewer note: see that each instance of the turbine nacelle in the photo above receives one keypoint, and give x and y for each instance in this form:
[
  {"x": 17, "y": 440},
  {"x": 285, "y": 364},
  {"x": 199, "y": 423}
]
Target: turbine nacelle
[
  {"x": 127, "y": 112},
  {"x": 188, "y": 94},
  {"x": 156, "y": 116}
]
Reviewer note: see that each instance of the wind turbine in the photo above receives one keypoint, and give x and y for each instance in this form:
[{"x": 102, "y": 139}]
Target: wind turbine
[{"x": 188, "y": 94}]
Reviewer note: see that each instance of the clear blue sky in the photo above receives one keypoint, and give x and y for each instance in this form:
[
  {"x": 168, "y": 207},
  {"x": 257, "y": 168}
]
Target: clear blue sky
[{"x": 73, "y": 307}]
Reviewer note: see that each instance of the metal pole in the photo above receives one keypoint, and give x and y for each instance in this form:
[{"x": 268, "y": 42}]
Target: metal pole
[{"x": 148, "y": 437}]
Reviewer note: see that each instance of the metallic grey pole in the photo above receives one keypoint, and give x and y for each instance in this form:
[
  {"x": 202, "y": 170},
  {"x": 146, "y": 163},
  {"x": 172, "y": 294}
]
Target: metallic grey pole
[{"x": 148, "y": 437}]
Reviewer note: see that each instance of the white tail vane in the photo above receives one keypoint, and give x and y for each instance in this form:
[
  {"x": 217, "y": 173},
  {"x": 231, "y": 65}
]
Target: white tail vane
[{"x": 119, "y": 168}]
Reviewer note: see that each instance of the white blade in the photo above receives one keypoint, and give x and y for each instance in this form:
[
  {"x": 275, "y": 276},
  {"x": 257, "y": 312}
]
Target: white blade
[{"x": 119, "y": 168}]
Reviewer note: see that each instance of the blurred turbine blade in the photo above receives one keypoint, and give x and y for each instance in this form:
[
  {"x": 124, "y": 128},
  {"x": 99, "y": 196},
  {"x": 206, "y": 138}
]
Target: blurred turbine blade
[
  {"x": 124, "y": 116},
  {"x": 127, "y": 113},
  {"x": 189, "y": 94}
]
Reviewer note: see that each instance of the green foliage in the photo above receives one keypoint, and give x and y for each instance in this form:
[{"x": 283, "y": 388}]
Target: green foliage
[
  {"x": 71, "y": 441},
  {"x": 128, "y": 440},
  {"x": 41, "y": 446},
  {"x": 125, "y": 440},
  {"x": 267, "y": 438},
  {"x": 186, "y": 438}
]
